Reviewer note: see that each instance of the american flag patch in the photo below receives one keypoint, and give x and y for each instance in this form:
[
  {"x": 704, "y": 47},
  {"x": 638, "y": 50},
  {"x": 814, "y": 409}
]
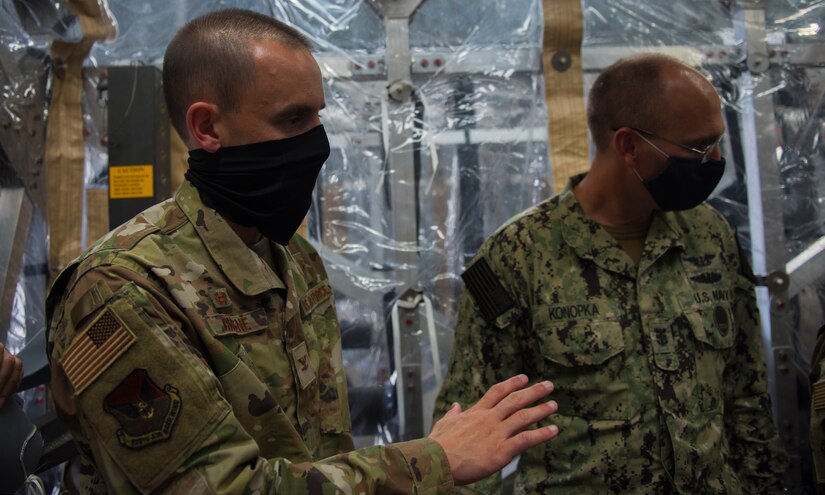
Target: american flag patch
[{"x": 95, "y": 349}]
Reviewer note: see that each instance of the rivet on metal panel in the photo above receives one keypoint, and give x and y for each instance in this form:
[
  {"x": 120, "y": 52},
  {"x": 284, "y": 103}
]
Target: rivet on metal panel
[
  {"x": 400, "y": 91},
  {"x": 561, "y": 61},
  {"x": 777, "y": 282},
  {"x": 757, "y": 63}
]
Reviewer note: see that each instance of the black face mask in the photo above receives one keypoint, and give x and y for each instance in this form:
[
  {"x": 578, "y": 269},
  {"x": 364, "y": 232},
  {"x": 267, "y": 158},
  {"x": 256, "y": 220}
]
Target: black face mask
[
  {"x": 264, "y": 185},
  {"x": 684, "y": 183}
]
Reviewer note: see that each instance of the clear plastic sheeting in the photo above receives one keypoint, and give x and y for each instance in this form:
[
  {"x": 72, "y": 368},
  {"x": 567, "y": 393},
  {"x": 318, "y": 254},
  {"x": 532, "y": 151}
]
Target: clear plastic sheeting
[
  {"x": 25, "y": 31},
  {"x": 473, "y": 140},
  {"x": 24, "y": 76},
  {"x": 765, "y": 59},
  {"x": 435, "y": 147},
  {"x": 468, "y": 149}
]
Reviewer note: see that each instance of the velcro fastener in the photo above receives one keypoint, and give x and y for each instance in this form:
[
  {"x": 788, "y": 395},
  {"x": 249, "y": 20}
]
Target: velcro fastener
[
  {"x": 485, "y": 287},
  {"x": 90, "y": 302}
]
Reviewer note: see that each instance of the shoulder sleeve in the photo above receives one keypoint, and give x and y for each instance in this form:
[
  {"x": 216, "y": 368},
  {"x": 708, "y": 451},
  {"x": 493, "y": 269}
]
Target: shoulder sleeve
[
  {"x": 486, "y": 289},
  {"x": 487, "y": 346},
  {"x": 495, "y": 280},
  {"x": 755, "y": 448}
]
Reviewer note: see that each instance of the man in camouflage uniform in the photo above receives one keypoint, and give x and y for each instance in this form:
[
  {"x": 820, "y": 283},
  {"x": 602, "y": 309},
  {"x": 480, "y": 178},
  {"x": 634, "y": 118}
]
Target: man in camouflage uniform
[
  {"x": 190, "y": 353},
  {"x": 636, "y": 300}
]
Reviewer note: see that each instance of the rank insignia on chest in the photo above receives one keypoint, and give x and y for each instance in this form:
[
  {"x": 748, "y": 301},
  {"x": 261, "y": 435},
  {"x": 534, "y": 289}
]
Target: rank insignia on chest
[
  {"x": 303, "y": 367},
  {"x": 220, "y": 299},
  {"x": 146, "y": 413}
]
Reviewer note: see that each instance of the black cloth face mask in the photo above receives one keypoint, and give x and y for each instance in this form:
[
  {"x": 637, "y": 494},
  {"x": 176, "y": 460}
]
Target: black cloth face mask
[
  {"x": 265, "y": 185},
  {"x": 684, "y": 183}
]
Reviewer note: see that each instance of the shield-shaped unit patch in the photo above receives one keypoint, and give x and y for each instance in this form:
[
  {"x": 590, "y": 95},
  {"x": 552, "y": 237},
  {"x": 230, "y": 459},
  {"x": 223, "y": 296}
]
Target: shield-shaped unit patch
[{"x": 146, "y": 413}]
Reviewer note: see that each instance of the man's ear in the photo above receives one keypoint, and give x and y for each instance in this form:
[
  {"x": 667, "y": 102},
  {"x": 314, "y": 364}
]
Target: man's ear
[
  {"x": 624, "y": 144},
  {"x": 201, "y": 118}
]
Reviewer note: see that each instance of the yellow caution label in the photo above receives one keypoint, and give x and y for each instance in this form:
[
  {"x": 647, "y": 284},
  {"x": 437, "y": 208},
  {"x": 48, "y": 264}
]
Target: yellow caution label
[{"x": 131, "y": 181}]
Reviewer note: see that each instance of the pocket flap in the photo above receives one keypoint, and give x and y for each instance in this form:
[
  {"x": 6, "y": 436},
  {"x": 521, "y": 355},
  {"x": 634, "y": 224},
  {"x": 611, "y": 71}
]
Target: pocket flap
[{"x": 582, "y": 343}]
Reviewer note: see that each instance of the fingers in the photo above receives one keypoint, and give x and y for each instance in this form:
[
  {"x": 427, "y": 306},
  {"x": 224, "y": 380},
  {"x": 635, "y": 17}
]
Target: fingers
[
  {"x": 524, "y": 418},
  {"x": 523, "y": 398},
  {"x": 455, "y": 410},
  {"x": 501, "y": 390},
  {"x": 529, "y": 438}
]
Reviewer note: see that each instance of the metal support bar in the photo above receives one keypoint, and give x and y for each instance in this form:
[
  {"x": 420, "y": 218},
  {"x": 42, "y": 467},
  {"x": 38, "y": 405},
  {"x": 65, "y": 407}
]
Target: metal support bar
[
  {"x": 15, "y": 218},
  {"x": 806, "y": 267},
  {"x": 764, "y": 187},
  {"x": 753, "y": 16},
  {"x": 596, "y": 59},
  {"x": 406, "y": 324},
  {"x": 403, "y": 191}
]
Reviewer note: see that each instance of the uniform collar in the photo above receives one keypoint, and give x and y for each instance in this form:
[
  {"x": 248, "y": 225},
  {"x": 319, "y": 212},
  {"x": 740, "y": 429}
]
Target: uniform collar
[
  {"x": 590, "y": 241},
  {"x": 664, "y": 234},
  {"x": 244, "y": 269}
]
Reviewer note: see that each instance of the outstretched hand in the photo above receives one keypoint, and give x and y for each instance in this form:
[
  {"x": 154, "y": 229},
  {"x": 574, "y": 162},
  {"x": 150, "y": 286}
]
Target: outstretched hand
[
  {"x": 11, "y": 374},
  {"x": 488, "y": 435}
]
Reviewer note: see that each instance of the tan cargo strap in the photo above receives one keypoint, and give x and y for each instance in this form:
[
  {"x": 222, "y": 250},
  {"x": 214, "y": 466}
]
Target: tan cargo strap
[
  {"x": 564, "y": 89},
  {"x": 65, "y": 145}
]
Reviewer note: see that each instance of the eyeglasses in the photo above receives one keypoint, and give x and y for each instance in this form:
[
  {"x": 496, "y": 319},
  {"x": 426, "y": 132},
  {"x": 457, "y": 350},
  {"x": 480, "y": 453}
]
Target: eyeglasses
[{"x": 704, "y": 153}]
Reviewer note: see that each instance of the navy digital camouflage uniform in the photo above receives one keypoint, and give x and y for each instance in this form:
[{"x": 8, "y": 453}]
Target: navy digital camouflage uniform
[
  {"x": 183, "y": 363},
  {"x": 658, "y": 369}
]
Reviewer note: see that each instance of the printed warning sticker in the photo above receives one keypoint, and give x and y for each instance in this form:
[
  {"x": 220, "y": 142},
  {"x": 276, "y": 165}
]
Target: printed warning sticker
[{"x": 131, "y": 181}]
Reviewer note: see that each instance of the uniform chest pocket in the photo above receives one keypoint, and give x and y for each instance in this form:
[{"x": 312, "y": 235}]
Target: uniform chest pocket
[
  {"x": 323, "y": 339},
  {"x": 585, "y": 359},
  {"x": 246, "y": 335},
  {"x": 715, "y": 331}
]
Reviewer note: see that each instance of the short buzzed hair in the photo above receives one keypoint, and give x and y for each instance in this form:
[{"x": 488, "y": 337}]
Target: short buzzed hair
[
  {"x": 210, "y": 59},
  {"x": 631, "y": 93}
]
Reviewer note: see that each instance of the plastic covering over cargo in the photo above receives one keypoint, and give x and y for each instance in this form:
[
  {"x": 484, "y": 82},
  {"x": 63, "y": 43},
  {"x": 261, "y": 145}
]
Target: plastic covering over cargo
[{"x": 438, "y": 119}]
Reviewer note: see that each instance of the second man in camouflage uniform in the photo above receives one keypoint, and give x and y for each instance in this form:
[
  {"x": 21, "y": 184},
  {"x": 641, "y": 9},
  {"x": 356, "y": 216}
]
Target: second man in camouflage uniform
[{"x": 633, "y": 296}]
